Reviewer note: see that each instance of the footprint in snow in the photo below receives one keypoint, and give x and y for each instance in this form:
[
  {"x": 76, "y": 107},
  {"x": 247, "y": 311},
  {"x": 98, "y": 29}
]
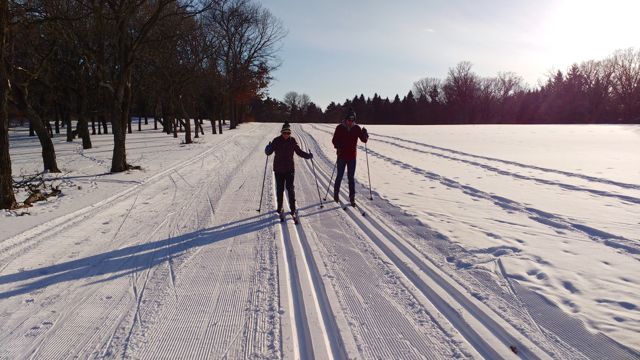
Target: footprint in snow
[{"x": 569, "y": 286}]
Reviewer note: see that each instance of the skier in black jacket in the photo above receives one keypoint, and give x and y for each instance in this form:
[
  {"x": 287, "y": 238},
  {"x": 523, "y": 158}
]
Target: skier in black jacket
[{"x": 284, "y": 146}]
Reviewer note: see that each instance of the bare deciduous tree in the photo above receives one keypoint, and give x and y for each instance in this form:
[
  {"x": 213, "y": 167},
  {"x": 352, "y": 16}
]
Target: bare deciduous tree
[
  {"x": 429, "y": 87},
  {"x": 291, "y": 99},
  {"x": 249, "y": 38},
  {"x": 460, "y": 90},
  {"x": 626, "y": 82},
  {"x": 7, "y": 198}
]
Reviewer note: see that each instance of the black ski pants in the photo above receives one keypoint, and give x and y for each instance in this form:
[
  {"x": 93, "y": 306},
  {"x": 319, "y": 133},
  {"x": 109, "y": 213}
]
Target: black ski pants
[
  {"x": 351, "y": 171},
  {"x": 285, "y": 180}
]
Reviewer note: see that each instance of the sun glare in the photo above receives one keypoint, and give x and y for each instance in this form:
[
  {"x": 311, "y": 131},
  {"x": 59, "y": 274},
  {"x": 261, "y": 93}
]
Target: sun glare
[{"x": 575, "y": 30}]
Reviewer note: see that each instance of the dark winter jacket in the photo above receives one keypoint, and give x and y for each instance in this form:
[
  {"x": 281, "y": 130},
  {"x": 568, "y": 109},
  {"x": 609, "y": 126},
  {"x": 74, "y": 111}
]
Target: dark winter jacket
[
  {"x": 284, "y": 149},
  {"x": 345, "y": 140}
]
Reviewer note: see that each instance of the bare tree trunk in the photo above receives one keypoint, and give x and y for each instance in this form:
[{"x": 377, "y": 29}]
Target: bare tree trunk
[
  {"x": 105, "y": 127},
  {"x": 175, "y": 127},
  {"x": 56, "y": 123},
  {"x": 232, "y": 110},
  {"x": 213, "y": 126},
  {"x": 31, "y": 132},
  {"x": 67, "y": 119},
  {"x": 220, "y": 122},
  {"x": 93, "y": 125},
  {"x": 197, "y": 128},
  {"x": 83, "y": 127},
  {"x": 47, "y": 123},
  {"x": 187, "y": 125},
  {"x": 121, "y": 121},
  {"x": 48, "y": 151},
  {"x": 139, "y": 123},
  {"x": 7, "y": 198},
  {"x": 119, "y": 160},
  {"x": 187, "y": 130}
]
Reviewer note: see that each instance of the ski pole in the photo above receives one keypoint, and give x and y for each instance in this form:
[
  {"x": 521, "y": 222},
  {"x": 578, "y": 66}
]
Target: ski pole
[
  {"x": 366, "y": 151},
  {"x": 316, "y": 177},
  {"x": 330, "y": 180},
  {"x": 263, "y": 178}
]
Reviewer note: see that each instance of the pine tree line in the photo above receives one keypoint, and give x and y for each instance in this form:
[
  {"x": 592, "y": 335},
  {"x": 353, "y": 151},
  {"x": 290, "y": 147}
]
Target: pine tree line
[{"x": 604, "y": 91}]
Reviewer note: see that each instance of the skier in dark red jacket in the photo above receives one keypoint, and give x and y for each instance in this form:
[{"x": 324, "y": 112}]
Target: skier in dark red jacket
[
  {"x": 345, "y": 140},
  {"x": 284, "y": 146}
]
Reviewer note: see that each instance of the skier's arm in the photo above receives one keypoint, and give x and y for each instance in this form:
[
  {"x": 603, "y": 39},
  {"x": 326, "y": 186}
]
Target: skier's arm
[
  {"x": 301, "y": 153},
  {"x": 337, "y": 142},
  {"x": 336, "y": 138},
  {"x": 364, "y": 135}
]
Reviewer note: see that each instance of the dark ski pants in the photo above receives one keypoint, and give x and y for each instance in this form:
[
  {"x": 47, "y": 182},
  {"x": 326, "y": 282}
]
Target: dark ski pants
[
  {"x": 285, "y": 180},
  {"x": 351, "y": 171}
]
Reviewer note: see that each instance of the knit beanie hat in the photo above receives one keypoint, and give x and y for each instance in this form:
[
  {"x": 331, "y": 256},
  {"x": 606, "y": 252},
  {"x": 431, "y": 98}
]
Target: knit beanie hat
[
  {"x": 286, "y": 128},
  {"x": 351, "y": 115}
]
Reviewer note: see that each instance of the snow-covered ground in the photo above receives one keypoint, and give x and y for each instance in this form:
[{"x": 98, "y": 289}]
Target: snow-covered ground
[{"x": 480, "y": 242}]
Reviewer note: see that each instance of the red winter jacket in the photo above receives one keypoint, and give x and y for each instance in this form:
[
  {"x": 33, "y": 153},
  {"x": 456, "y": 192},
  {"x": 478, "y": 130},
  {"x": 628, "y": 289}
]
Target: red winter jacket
[{"x": 345, "y": 140}]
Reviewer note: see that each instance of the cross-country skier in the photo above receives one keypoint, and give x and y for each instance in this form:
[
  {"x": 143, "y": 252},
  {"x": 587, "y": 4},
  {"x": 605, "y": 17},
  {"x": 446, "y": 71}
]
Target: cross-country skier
[
  {"x": 284, "y": 146},
  {"x": 345, "y": 140}
]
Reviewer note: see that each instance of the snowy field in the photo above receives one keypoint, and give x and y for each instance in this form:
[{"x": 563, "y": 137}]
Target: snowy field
[{"x": 480, "y": 242}]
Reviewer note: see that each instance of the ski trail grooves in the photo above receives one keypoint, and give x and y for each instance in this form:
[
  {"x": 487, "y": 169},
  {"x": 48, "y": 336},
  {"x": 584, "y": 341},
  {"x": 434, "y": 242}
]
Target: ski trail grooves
[
  {"x": 489, "y": 334},
  {"x": 506, "y": 162},
  {"x": 315, "y": 325},
  {"x": 224, "y": 277},
  {"x": 378, "y": 315},
  {"x": 24, "y": 241}
]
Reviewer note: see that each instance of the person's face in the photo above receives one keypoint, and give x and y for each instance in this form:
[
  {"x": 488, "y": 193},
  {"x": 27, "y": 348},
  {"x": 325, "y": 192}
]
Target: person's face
[
  {"x": 350, "y": 122},
  {"x": 286, "y": 134}
]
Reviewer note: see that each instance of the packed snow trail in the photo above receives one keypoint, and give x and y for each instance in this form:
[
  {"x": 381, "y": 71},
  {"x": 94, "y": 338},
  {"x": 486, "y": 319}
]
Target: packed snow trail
[
  {"x": 147, "y": 263},
  {"x": 490, "y": 338},
  {"x": 181, "y": 265}
]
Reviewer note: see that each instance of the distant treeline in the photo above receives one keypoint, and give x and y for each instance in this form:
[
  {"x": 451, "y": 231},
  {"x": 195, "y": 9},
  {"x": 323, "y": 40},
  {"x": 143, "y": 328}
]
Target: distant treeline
[{"x": 604, "y": 91}]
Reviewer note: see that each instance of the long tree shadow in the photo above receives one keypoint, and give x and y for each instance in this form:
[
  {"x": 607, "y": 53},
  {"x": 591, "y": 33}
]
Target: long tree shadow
[{"x": 121, "y": 262}]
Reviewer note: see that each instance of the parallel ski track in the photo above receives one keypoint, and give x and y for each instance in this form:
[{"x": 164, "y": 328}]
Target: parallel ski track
[
  {"x": 30, "y": 238},
  {"x": 80, "y": 345},
  {"x": 547, "y": 219},
  {"x": 485, "y": 330},
  {"x": 368, "y": 291},
  {"x": 601, "y": 193},
  {"x": 53, "y": 227},
  {"x": 212, "y": 337},
  {"x": 507, "y": 162},
  {"x": 304, "y": 278}
]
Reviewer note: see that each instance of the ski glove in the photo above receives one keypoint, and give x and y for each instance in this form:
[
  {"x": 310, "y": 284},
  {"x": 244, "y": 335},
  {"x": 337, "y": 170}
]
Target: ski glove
[
  {"x": 365, "y": 134},
  {"x": 310, "y": 156},
  {"x": 268, "y": 149}
]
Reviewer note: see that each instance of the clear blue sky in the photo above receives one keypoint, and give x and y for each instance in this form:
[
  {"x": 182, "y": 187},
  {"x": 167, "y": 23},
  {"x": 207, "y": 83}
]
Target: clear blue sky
[{"x": 337, "y": 49}]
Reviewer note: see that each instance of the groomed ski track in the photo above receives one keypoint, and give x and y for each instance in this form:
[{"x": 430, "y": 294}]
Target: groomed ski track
[{"x": 183, "y": 266}]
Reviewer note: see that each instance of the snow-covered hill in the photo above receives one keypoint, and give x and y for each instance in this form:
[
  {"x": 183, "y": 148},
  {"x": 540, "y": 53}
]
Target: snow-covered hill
[{"x": 480, "y": 242}]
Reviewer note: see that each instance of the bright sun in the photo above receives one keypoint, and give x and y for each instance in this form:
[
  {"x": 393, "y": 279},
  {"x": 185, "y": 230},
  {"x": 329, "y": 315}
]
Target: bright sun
[{"x": 576, "y": 30}]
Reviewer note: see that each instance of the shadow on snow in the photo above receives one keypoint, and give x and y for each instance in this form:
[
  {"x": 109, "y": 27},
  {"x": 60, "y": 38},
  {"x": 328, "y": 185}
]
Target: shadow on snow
[{"x": 131, "y": 259}]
